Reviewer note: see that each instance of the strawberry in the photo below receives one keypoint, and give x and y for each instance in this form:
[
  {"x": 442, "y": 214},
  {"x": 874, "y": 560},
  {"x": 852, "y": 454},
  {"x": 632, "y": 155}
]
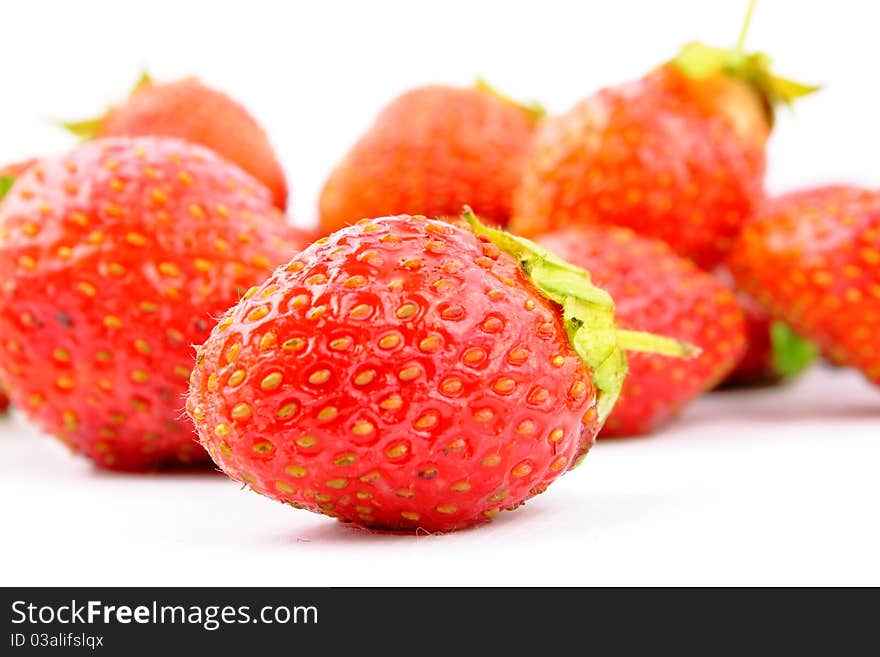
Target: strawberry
[
  {"x": 403, "y": 373},
  {"x": 113, "y": 260},
  {"x": 8, "y": 174},
  {"x": 678, "y": 154},
  {"x": 658, "y": 291},
  {"x": 431, "y": 151},
  {"x": 774, "y": 353},
  {"x": 812, "y": 258},
  {"x": 190, "y": 110}
]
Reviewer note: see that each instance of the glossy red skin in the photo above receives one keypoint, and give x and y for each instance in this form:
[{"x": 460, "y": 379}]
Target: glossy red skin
[
  {"x": 114, "y": 259},
  {"x": 437, "y": 457},
  {"x": 432, "y": 151},
  {"x": 812, "y": 258},
  {"x": 190, "y": 110},
  {"x": 657, "y": 291},
  {"x": 656, "y": 155}
]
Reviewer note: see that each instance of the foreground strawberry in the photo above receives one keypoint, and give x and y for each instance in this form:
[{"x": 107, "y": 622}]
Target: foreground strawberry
[
  {"x": 431, "y": 151},
  {"x": 677, "y": 155},
  {"x": 774, "y": 353},
  {"x": 114, "y": 259},
  {"x": 655, "y": 290},
  {"x": 404, "y": 373},
  {"x": 190, "y": 110},
  {"x": 812, "y": 258}
]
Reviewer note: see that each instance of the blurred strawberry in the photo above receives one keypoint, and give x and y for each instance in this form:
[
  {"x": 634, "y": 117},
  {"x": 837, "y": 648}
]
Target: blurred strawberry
[
  {"x": 114, "y": 259},
  {"x": 8, "y": 174},
  {"x": 431, "y": 151},
  {"x": 774, "y": 353},
  {"x": 657, "y": 291},
  {"x": 812, "y": 258},
  {"x": 192, "y": 111},
  {"x": 677, "y": 155}
]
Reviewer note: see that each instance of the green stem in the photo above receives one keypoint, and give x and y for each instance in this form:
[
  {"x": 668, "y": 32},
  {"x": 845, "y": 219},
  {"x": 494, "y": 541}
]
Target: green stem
[
  {"x": 699, "y": 61},
  {"x": 744, "y": 30}
]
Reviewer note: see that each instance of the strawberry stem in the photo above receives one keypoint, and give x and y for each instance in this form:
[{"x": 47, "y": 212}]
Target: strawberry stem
[
  {"x": 699, "y": 61},
  {"x": 744, "y": 30},
  {"x": 587, "y": 314}
]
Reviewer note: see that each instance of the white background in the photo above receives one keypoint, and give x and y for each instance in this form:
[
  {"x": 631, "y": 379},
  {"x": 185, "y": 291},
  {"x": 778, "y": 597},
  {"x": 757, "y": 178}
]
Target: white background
[{"x": 757, "y": 487}]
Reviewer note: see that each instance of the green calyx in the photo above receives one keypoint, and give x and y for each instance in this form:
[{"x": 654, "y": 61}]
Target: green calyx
[
  {"x": 534, "y": 110},
  {"x": 587, "y": 314},
  {"x": 698, "y": 61},
  {"x": 6, "y": 183},
  {"x": 792, "y": 354},
  {"x": 84, "y": 130},
  {"x": 88, "y": 129},
  {"x": 144, "y": 80}
]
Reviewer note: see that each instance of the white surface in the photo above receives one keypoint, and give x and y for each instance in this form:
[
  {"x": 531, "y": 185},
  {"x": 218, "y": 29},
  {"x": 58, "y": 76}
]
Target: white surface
[
  {"x": 758, "y": 487},
  {"x": 762, "y": 487}
]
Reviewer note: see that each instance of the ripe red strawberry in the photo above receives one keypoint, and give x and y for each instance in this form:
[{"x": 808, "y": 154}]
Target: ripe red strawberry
[
  {"x": 656, "y": 290},
  {"x": 8, "y": 174},
  {"x": 190, "y": 110},
  {"x": 677, "y": 155},
  {"x": 404, "y": 374},
  {"x": 812, "y": 258},
  {"x": 431, "y": 151},
  {"x": 114, "y": 259},
  {"x": 774, "y": 353}
]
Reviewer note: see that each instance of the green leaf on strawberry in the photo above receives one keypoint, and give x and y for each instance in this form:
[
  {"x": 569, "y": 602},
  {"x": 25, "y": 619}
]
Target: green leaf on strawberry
[
  {"x": 88, "y": 129},
  {"x": 84, "y": 130},
  {"x": 6, "y": 183},
  {"x": 535, "y": 110},
  {"x": 699, "y": 61},
  {"x": 791, "y": 353}
]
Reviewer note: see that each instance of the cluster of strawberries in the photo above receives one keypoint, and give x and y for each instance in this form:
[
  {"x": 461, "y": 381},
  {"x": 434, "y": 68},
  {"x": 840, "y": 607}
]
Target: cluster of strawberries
[{"x": 417, "y": 366}]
